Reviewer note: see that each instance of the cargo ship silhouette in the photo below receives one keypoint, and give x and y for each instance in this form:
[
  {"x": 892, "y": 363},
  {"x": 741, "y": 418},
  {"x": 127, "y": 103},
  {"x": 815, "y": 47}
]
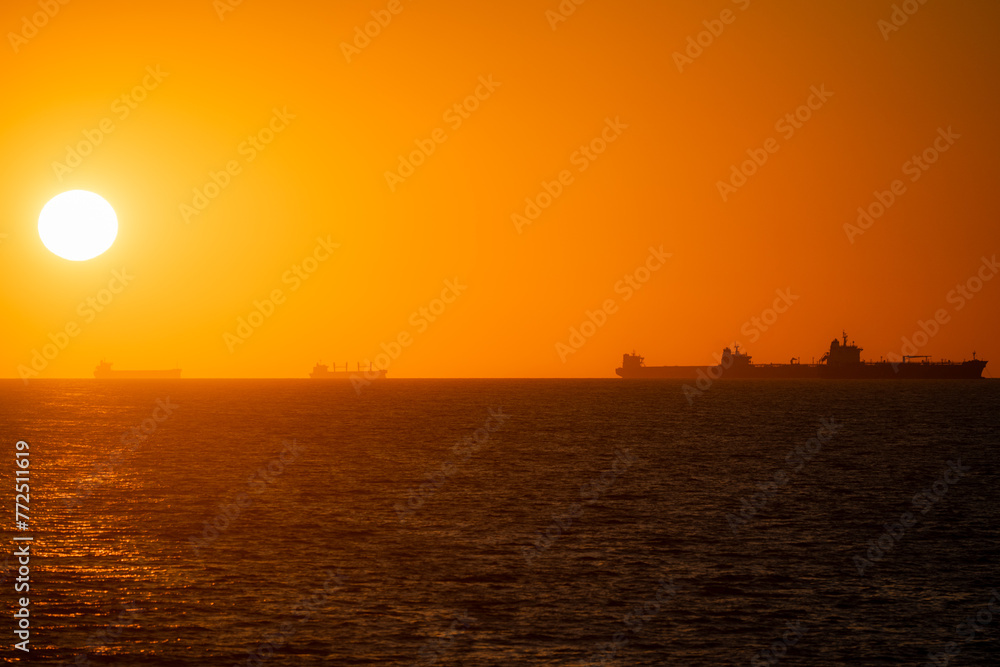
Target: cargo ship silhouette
[
  {"x": 323, "y": 372},
  {"x": 104, "y": 372},
  {"x": 842, "y": 362}
]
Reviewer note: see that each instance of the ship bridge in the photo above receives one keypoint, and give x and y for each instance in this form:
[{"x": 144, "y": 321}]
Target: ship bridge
[{"x": 842, "y": 353}]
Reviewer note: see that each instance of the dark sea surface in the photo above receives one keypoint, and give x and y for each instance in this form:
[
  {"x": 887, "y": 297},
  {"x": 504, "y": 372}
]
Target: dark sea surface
[{"x": 298, "y": 522}]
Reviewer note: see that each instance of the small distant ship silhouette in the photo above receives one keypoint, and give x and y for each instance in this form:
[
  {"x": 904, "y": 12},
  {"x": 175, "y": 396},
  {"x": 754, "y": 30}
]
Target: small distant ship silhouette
[
  {"x": 323, "y": 372},
  {"x": 104, "y": 371},
  {"x": 842, "y": 362}
]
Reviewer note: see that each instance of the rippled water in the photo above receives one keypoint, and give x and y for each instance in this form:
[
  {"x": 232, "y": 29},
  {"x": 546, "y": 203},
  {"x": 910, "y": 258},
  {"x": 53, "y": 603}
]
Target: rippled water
[{"x": 593, "y": 520}]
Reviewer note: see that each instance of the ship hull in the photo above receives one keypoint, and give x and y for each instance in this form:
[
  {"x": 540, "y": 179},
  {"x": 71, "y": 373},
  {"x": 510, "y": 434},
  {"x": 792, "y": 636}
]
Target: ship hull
[
  {"x": 138, "y": 375},
  {"x": 882, "y": 370},
  {"x": 348, "y": 375}
]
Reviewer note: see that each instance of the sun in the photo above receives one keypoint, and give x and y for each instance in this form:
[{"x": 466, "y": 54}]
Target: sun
[{"x": 78, "y": 225}]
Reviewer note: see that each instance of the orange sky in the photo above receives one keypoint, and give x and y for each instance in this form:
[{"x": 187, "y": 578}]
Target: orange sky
[{"x": 609, "y": 71}]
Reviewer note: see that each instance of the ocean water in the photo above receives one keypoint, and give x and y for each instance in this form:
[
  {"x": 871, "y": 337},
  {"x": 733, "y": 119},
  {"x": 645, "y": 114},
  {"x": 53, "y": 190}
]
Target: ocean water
[{"x": 506, "y": 522}]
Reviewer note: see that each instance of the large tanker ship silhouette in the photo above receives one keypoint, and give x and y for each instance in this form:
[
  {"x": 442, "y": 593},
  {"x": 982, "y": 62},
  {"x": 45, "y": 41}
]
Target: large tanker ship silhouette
[{"x": 842, "y": 361}]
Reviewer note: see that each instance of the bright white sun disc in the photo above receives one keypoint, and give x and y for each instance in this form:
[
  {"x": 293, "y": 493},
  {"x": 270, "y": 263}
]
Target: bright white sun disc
[{"x": 78, "y": 225}]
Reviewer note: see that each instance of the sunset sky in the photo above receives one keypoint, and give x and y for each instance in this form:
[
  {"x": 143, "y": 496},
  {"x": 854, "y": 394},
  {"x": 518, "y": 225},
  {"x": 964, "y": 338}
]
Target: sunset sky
[{"x": 302, "y": 131}]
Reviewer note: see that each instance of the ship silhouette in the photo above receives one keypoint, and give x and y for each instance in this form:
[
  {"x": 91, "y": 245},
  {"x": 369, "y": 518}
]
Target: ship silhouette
[
  {"x": 842, "y": 361},
  {"x": 105, "y": 372},
  {"x": 323, "y": 372}
]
